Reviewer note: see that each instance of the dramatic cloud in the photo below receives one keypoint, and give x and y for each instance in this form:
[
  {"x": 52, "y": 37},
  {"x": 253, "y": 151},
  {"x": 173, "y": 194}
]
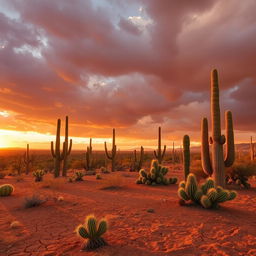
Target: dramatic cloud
[{"x": 132, "y": 66}]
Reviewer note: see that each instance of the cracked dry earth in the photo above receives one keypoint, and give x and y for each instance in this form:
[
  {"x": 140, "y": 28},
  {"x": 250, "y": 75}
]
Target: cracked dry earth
[{"x": 169, "y": 230}]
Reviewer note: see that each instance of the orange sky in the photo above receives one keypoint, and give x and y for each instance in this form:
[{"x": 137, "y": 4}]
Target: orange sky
[{"x": 133, "y": 66}]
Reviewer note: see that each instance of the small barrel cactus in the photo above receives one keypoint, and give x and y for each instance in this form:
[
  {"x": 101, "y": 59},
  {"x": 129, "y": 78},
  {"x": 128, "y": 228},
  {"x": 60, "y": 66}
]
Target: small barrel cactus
[
  {"x": 155, "y": 176},
  {"x": 38, "y": 174},
  {"x": 6, "y": 190},
  {"x": 205, "y": 195},
  {"x": 92, "y": 231}
]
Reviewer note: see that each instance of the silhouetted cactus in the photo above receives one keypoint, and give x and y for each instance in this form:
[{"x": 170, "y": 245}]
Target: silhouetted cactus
[
  {"x": 67, "y": 150},
  {"x": 159, "y": 155},
  {"x": 56, "y": 154},
  {"x": 155, "y": 176},
  {"x": 252, "y": 153},
  {"x": 112, "y": 157},
  {"x": 206, "y": 195},
  {"x": 88, "y": 156},
  {"x": 38, "y": 174},
  {"x": 218, "y": 163},
  {"x": 186, "y": 155},
  {"x": 92, "y": 231},
  {"x": 6, "y": 190},
  {"x": 137, "y": 164},
  {"x": 27, "y": 160}
]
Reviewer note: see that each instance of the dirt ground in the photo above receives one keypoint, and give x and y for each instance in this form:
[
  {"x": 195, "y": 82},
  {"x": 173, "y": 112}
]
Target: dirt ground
[{"x": 168, "y": 229}]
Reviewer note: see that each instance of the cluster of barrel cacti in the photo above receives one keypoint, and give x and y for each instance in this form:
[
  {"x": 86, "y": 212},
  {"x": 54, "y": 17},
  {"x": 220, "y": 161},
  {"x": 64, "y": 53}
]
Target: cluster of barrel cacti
[
  {"x": 38, "y": 174},
  {"x": 6, "y": 190},
  {"x": 156, "y": 175},
  {"x": 205, "y": 195},
  {"x": 92, "y": 231}
]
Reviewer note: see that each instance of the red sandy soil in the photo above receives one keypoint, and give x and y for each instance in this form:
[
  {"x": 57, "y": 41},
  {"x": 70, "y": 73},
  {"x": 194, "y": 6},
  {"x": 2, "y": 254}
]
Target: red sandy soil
[{"x": 170, "y": 230}]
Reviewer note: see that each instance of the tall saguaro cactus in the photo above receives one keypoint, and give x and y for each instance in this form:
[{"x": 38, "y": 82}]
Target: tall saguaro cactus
[
  {"x": 218, "y": 164},
  {"x": 252, "y": 150},
  {"x": 112, "y": 156},
  {"x": 88, "y": 156},
  {"x": 186, "y": 155},
  {"x": 138, "y": 163},
  {"x": 159, "y": 155},
  {"x": 56, "y": 154},
  {"x": 67, "y": 148},
  {"x": 27, "y": 160}
]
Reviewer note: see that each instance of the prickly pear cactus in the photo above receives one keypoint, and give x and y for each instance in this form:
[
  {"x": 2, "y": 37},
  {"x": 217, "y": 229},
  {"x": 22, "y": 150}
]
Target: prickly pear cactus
[
  {"x": 205, "y": 195},
  {"x": 92, "y": 231},
  {"x": 156, "y": 175},
  {"x": 6, "y": 190}
]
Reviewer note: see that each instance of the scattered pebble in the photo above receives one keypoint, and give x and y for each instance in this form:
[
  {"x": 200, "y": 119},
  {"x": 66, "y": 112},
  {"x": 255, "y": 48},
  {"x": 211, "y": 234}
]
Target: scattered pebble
[{"x": 150, "y": 210}]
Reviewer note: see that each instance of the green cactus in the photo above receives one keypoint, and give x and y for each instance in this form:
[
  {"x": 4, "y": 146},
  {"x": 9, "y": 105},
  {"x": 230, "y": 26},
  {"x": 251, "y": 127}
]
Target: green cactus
[
  {"x": 27, "y": 160},
  {"x": 137, "y": 164},
  {"x": 205, "y": 195},
  {"x": 79, "y": 176},
  {"x": 56, "y": 154},
  {"x": 156, "y": 175},
  {"x": 6, "y": 190},
  {"x": 67, "y": 150},
  {"x": 92, "y": 231},
  {"x": 88, "y": 156},
  {"x": 112, "y": 157},
  {"x": 159, "y": 155},
  {"x": 186, "y": 155},
  {"x": 38, "y": 174},
  {"x": 217, "y": 140}
]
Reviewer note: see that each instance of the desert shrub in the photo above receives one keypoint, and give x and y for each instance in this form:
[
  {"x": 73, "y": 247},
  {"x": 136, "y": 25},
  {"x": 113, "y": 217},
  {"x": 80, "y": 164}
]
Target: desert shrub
[
  {"x": 113, "y": 182},
  {"x": 240, "y": 173},
  {"x": 104, "y": 170},
  {"x": 32, "y": 201},
  {"x": 77, "y": 164},
  {"x": 6, "y": 189},
  {"x": 38, "y": 174},
  {"x": 92, "y": 231},
  {"x": 205, "y": 195},
  {"x": 156, "y": 175},
  {"x": 98, "y": 177},
  {"x": 52, "y": 183},
  {"x": 79, "y": 176}
]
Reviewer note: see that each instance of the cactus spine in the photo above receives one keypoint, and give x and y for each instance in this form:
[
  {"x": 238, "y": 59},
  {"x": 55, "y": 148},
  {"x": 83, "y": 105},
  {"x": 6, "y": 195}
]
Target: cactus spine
[
  {"x": 186, "y": 155},
  {"x": 159, "y": 155},
  {"x": 27, "y": 160},
  {"x": 138, "y": 163},
  {"x": 252, "y": 150},
  {"x": 67, "y": 149},
  {"x": 112, "y": 157},
  {"x": 88, "y": 156},
  {"x": 56, "y": 154},
  {"x": 217, "y": 140}
]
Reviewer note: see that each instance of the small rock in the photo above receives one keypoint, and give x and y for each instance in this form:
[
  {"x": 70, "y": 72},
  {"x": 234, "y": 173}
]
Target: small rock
[{"x": 150, "y": 210}]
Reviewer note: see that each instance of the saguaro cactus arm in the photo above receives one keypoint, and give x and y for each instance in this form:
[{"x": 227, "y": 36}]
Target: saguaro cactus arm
[{"x": 205, "y": 152}]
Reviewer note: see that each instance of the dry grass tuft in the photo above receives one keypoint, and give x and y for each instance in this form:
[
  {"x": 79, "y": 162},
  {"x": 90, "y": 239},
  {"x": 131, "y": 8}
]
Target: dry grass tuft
[
  {"x": 115, "y": 181},
  {"x": 52, "y": 183}
]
